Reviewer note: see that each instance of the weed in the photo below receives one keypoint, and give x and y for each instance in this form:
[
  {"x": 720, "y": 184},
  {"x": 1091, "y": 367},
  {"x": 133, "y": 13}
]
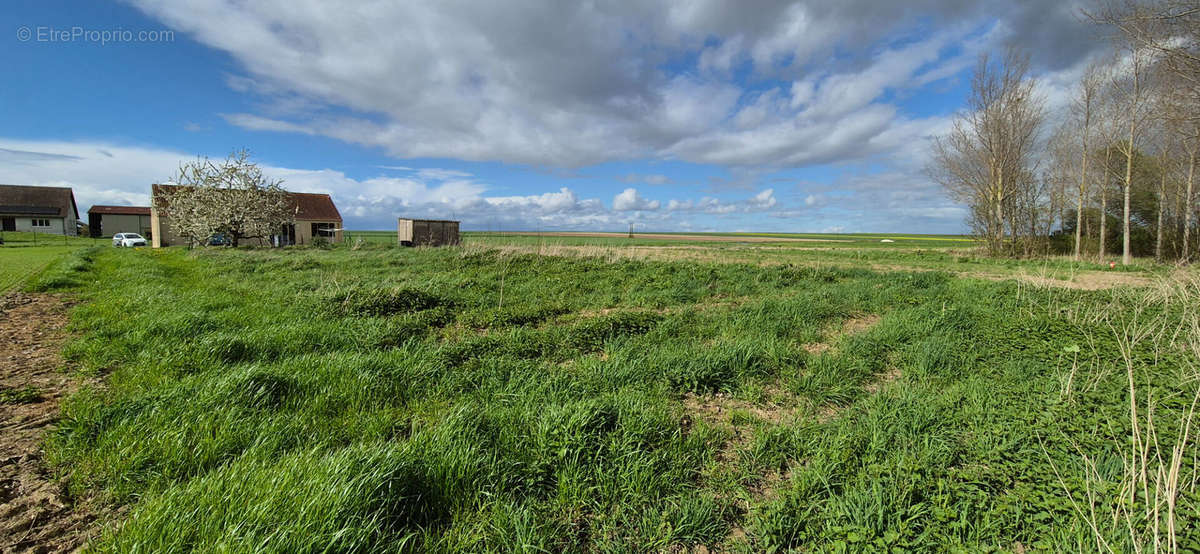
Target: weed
[{"x": 22, "y": 395}]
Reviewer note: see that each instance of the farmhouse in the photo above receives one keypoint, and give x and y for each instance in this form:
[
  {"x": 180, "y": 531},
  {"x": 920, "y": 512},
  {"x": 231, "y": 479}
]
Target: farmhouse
[
  {"x": 38, "y": 209},
  {"x": 316, "y": 216},
  {"x": 106, "y": 221}
]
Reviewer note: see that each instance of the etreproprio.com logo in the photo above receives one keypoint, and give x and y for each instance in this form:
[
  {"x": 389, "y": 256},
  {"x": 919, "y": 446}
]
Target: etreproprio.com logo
[{"x": 78, "y": 33}]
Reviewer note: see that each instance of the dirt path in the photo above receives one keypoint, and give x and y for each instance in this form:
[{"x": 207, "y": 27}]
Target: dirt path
[{"x": 36, "y": 515}]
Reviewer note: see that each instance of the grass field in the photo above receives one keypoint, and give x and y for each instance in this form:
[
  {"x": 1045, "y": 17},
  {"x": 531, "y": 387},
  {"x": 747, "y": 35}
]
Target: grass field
[
  {"x": 25, "y": 254},
  {"x": 947, "y": 253},
  {"x": 490, "y": 399}
]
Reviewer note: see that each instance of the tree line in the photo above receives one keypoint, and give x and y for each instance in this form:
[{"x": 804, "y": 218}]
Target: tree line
[{"x": 1114, "y": 172}]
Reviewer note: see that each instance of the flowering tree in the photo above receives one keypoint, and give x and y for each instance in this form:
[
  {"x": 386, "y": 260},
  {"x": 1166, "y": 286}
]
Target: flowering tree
[{"x": 231, "y": 198}]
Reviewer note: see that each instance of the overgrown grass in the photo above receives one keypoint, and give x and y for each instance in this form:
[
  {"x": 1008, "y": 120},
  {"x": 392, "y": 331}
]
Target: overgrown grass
[{"x": 474, "y": 400}]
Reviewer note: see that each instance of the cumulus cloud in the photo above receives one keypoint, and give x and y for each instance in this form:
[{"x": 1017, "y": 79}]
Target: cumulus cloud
[
  {"x": 105, "y": 173},
  {"x": 495, "y": 82},
  {"x": 762, "y": 201},
  {"x": 629, "y": 200}
]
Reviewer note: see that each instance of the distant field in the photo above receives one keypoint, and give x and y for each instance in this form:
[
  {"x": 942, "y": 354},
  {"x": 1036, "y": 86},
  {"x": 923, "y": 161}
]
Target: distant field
[
  {"x": 950, "y": 253},
  {"x": 860, "y": 240}
]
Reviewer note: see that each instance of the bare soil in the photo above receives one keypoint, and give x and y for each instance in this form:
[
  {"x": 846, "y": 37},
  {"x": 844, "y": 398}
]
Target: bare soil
[
  {"x": 36, "y": 513},
  {"x": 852, "y": 326}
]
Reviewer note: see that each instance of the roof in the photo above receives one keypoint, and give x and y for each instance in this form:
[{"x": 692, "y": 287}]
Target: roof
[
  {"x": 26, "y": 200},
  {"x": 309, "y": 206},
  {"x": 315, "y": 206},
  {"x": 120, "y": 210},
  {"x": 429, "y": 220}
]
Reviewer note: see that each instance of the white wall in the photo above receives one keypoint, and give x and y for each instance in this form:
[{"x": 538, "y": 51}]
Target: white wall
[{"x": 57, "y": 226}]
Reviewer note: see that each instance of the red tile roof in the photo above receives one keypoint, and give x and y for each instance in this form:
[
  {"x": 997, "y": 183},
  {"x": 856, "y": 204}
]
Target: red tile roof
[
  {"x": 309, "y": 206},
  {"x": 120, "y": 210},
  {"x": 315, "y": 206}
]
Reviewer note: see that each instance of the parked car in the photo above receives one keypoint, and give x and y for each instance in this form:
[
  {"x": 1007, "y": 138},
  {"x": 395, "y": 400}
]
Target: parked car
[
  {"x": 128, "y": 240},
  {"x": 219, "y": 239}
]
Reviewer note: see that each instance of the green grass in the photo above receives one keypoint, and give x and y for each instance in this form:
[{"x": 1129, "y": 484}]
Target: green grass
[
  {"x": 17, "y": 265},
  {"x": 24, "y": 255},
  {"x": 465, "y": 400},
  {"x": 19, "y": 395},
  {"x": 949, "y": 253}
]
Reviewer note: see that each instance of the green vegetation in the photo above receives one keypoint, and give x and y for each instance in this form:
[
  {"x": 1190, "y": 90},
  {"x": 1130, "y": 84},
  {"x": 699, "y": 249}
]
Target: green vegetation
[
  {"x": 19, "y": 395},
  {"x": 21, "y": 257},
  {"x": 948, "y": 253},
  {"x": 468, "y": 399}
]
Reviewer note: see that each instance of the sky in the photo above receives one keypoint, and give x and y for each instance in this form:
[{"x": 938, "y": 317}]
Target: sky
[{"x": 688, "y": 115}]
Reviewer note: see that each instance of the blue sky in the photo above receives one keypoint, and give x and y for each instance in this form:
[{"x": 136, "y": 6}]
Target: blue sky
[{"x": 698, "y": 115}]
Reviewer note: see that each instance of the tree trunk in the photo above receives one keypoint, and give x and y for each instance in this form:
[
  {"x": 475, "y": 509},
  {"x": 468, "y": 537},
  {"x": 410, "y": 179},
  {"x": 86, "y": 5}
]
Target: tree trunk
[
  {"x": 1104, "y": 206},
  {"x": 1079, "y": 204},
  {"x": 1188, "y": 209},
  {"x": 1162, "y": 208},
  {"x": 1126, "y": 247}
]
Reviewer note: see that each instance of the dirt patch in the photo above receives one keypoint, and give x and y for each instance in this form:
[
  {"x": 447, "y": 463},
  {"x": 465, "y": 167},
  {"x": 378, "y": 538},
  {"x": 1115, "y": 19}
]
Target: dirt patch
[
  {"x": 851, "y": 326},
  {"x": 856, "y": 325},
  {"x": 816, "y": 348},
  {"x": 719, "y": 409},
  {"x": 883, "y": 380},
  {"x": 36, "y": 514}
]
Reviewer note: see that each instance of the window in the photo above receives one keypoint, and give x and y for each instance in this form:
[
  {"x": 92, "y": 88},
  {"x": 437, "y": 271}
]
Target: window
[
  {"x": 41, "y": 222},
  {"x": 326, "y": 230}
]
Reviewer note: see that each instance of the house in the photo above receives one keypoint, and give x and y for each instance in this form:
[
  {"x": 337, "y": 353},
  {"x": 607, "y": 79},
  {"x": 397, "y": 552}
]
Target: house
[
  {"x": 316, "y": 216},
  {"x": 38, "y": 209},
  {"x": 426, "y": 232},
  {"x": 106, "y": 221}
]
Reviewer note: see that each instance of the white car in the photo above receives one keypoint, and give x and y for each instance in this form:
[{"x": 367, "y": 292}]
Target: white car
[{"x": 128, "y": 240}]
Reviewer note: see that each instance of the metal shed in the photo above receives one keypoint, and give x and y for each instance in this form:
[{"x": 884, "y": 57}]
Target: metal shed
[{"x": 427, "y": 232}]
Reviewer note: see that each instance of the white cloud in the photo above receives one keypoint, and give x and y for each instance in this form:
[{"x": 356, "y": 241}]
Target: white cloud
[
  {"x": 495, "y": 82},
  {"x": 105, "y": 173},
  {"x": 629, "y": 200}
]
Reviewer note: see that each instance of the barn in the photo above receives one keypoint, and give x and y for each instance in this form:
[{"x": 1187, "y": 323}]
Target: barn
[
  {"x": 49, "y": 210},
  {"x": 106, "y": 221}
]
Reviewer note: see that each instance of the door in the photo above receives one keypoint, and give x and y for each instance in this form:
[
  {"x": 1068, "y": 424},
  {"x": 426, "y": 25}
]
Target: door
[
  {"x": 288, "y": 235},
  {"x": 8, "y": 224}
]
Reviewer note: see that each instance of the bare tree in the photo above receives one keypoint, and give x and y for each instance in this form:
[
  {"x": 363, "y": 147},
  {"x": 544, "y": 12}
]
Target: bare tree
[
  {"x": 1180, "y": 110},
  {"x": 231, "y": 198},
  {"x": 1085, "y": 105},
  {"x": 1168, "y": 32},
  {"x": 1131, "y": 93},
  {"x": 1192, "y": 143},
  {"x": 987, "y": 158},
  {"x": 1108, "y": 130}
]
